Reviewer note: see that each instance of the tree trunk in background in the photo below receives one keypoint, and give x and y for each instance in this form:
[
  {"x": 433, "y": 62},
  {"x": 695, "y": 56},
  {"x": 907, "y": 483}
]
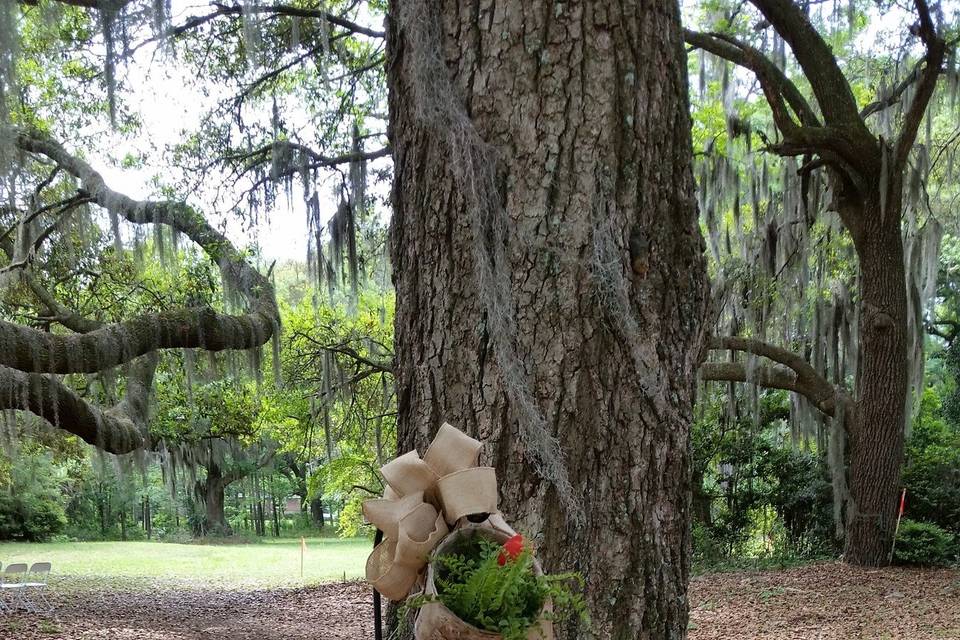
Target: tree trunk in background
[
  {"x": 276, "y": 516},
  {"x": 147, "y": 517},
  {"x": 876, "y": 438},
  {"x": 102, "y": 508},
  {"x": 297, "y": 474},
  {"x": 215, "y": 522},
  {"x": 701, "y": 501},
  {"x": 316, "y": 511},
  {"x": 550, "y": 277}
]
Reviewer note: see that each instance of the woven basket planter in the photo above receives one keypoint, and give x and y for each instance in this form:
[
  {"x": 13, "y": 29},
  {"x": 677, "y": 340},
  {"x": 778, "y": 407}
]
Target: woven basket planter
[{"x": 436, "y": 622}]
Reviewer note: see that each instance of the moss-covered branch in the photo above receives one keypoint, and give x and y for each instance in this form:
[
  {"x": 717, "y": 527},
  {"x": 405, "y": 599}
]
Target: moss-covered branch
[
  {"x": 118, "y": 429},
  {"x": 31, "y": 350},
  {"x": 789, "y": 372}
]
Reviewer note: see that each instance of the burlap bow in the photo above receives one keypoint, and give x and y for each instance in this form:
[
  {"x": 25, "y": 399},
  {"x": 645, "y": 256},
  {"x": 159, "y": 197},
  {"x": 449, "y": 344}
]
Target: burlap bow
[{"x": 422, "y": 500}]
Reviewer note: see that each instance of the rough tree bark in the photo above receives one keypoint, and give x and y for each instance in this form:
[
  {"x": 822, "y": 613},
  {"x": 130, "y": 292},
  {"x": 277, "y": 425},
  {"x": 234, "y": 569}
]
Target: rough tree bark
[
  {"x": 550, "y": 277},
  {"x": 876, "y": 435},
  {"x": 867, "y": 175}
]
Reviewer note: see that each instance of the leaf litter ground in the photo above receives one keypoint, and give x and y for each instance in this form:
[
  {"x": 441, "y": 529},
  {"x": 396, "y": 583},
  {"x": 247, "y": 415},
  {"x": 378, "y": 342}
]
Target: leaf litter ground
[
  {"x": 826, "y": 601},
  {"x": 821, "y": 601}
]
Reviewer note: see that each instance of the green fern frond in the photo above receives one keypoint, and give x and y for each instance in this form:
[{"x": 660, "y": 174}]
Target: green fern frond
[{"x": 505, "y": 599}]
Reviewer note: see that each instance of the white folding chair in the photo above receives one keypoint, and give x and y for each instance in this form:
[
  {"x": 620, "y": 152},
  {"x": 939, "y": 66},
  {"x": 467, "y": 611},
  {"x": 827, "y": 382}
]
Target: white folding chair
[
  {"x": 12, "y": 581},
  {"x": 35, "y": 588}
]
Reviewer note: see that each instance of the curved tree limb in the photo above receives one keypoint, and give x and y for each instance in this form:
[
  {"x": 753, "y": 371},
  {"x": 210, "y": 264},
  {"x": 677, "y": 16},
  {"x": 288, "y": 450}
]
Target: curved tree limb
[
  {"x": 790, "y": 372},
  {"x": 808, "y": 136},
  {"x": 751, "y": 58},
  {"x": 816, "y": 58},
  {"x": 58, "y": 311},
  {"x": 119, "y": 429},
  {"x": 31, "y": 350},
  {"x": 927, "y": 83},
  {"x": 769, "y": 376},
  {"x": 895, "y": 94}
]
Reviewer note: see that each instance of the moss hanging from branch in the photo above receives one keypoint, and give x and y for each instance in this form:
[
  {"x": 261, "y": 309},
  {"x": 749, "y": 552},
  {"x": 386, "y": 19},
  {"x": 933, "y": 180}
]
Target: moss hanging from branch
[{"x": 29, "y": 358}]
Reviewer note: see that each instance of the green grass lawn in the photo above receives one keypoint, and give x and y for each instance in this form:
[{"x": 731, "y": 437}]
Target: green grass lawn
[{"x": 265, "y": 564}]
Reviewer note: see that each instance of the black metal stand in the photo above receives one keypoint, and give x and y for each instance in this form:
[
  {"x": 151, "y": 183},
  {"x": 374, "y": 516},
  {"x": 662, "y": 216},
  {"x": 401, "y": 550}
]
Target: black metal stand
[{"x": 377, "y": 618}]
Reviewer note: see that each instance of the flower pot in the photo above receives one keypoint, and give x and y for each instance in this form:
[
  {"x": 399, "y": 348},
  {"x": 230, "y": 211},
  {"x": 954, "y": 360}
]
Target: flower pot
[{"x": 436, "y": 622}]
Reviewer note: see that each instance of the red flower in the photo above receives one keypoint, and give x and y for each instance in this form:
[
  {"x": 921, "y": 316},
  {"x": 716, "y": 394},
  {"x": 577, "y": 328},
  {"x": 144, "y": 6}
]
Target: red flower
[{"x": 511, "y": 549}]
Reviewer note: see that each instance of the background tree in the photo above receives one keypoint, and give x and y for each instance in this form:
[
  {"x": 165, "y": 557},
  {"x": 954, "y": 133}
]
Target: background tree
[
  {"x": 35, "y": 358},
  {"x": 867, "y": 173},
  {"x": 260, "y": 157},
  {"x": 216, "y": 427},
  {"x": 342, "y": 361},
  {"x": 300, "y": 88}
]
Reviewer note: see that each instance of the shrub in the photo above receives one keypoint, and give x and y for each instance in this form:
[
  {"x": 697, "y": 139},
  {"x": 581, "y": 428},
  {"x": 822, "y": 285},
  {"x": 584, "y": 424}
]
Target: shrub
[
  {"x": 42, "y": 519},
  {"x": 923, "y": 544},
  {"x": 30, "y": 518},
  {"x": 350, "y": 524},
  {"x": 803, "y": 499},
  {"x": 707, "y": 551},
  {"x": 932, "y": 474},
  {"x": 9, "y": 520}
]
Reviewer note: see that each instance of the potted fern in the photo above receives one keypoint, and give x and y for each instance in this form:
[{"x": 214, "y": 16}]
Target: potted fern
[{"x": 485, "y": 584}]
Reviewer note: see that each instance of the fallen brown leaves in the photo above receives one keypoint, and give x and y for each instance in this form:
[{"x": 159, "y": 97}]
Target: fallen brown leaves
[
  {"x": 817, "y": 602},
  {"x": 141, "y": 610},
  {"x": 826, "y": 602}
]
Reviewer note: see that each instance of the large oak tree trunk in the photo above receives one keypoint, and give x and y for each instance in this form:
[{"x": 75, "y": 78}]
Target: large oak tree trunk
[
  {"x": 550, "y": 277},
  {"x": 876, "y": 438}
]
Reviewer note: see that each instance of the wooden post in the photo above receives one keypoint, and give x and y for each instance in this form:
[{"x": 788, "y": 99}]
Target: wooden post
[
  {"x": 896, "y": 529},
  {"x": 276, "y": 516},
  {"x": 303, "y": 550},
  {"x": 148, "y": 517}
]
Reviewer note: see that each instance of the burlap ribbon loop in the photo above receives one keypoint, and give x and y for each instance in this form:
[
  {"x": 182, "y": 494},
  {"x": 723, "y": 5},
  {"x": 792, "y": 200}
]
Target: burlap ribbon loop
[
  {"x": 385, "y": 514},
  {"x": 409, "y": 474},
  {"x": 467, "y": 491},
  {"x": 420, "y": 531},
  {"x": 422, "y": 497}
]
